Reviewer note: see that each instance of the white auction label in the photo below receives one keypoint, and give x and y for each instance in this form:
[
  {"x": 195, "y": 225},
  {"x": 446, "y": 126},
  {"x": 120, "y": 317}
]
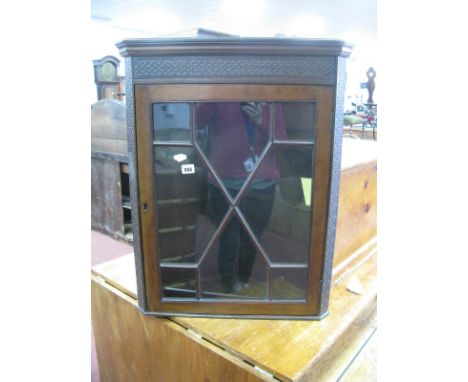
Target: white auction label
[{"x": 188, "y": 169}]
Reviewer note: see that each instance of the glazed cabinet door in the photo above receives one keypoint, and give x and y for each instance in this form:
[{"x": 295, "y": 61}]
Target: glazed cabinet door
[{"x": 233, "y": 194}]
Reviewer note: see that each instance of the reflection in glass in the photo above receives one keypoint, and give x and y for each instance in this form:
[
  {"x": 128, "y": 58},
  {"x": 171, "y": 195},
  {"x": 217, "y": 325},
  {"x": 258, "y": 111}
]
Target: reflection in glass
[
  {"x": 233, "y": 136},
  {"x": 178, "y": 282},
  {"x": 184, "y": 228},
  {"x": 232, "y": 268},
  {"x": 274, "y": 211},
  {"x": 289, "y": 284},
  {"x": 279, "y": 210},
  {"x": 171, "y": 122},
  {"x": 299, "y": 119}
]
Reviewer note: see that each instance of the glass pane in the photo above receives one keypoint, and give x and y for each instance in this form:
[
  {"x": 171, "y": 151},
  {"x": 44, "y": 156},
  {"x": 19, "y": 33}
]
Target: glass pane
[
  {"x": 234, "y": 268},
  {"x": 191, "y": 205},
  {"x": 277, "y": 204},
  {"x": 299, "y": 121},
  {"x": 171, "y": 122},
  {"x": 178, "y": 282},
  {"x": 184, "y": 223},
  {"x": 289, "y": 284},
  {"x": 232, "y": 135}
]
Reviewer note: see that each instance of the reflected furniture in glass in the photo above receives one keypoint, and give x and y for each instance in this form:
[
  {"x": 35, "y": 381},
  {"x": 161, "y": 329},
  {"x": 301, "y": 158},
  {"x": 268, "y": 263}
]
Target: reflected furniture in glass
[{"x": 234, "y": 160}]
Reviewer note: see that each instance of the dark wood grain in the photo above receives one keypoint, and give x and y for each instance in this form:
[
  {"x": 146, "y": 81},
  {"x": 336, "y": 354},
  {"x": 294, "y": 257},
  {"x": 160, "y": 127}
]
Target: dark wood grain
[
  {"x": 106, "y": 197},
  {"x": 238, "y": 69},
  {"x": 145, "y": 96},
  {"x": 144, "y": 142}
]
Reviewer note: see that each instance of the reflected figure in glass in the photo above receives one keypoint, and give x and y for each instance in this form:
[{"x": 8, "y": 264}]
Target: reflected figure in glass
[
  {"x": 238, "y": 133},
  {"x": 217, "y": 236}
]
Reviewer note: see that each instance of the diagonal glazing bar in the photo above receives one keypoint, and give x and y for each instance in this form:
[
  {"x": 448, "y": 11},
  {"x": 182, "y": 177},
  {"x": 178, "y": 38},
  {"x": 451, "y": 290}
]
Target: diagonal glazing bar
[
  {"x": 252, "y": 235},
  {"x": 271, "y": 125},
  {"x": 246, "y": 184},
  {"x": 213, "y": 172},
  {"x": 218, "y": 232}
]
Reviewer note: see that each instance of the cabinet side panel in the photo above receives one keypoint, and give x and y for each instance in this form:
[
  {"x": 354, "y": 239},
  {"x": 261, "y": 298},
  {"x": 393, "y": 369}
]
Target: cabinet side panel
[
  {"x": 337, "y": 132},
  {"x": 133, "y": 177}
]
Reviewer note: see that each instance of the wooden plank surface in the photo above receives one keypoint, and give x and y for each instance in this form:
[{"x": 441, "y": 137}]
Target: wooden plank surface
[
  {"x": 364, "y": 367},
  {"x": 336, "y": 361},
  {"x": 290, "y": 350},
  {"x": 356, "y": 227},
  {"x": 137, "y": 348}
]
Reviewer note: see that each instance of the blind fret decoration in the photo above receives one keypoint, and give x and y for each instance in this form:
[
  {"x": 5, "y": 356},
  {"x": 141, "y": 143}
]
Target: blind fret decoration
[{"x": 234, "y": 158}]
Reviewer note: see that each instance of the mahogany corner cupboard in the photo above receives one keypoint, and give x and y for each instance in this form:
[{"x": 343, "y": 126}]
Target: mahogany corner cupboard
[{"x": 234, "y": 162}]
